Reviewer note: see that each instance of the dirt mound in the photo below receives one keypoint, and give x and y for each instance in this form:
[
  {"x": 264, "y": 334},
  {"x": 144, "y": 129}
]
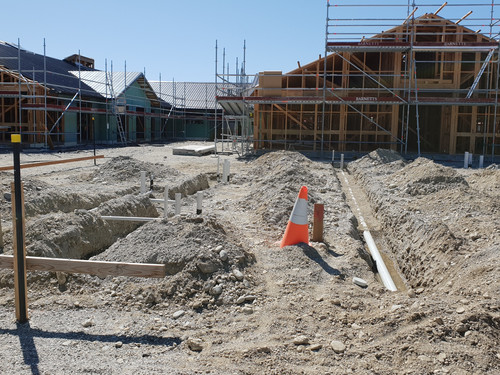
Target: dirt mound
[
  {"x": 274, "y": 160},
  {"x": 423, "y": 176},
  {"x": 189, "y": 186},
  {"x": 380, "y": 162},
  {"x": 487, "y": 181},
  {"x": 378, "y": 157},
  {"x": 65, "y": 201},
  {"x": 32, "y": 188},
  {"x": 82, "y": 233},
  {"x": 277, "y": 178},
  {"x": 383, "y": 156},
  {"x": 124, "y": 168},
  {"x": 203, "y": 261}
]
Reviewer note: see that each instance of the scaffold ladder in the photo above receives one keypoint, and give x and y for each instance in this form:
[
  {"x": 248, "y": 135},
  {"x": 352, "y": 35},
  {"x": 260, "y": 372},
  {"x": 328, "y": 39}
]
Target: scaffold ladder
[
  {"x": 166, "y": 120},
  {"x": 480, "y": 74},
  {"x": 119, "y": 124},
  {"x": 115, "y": 112}
]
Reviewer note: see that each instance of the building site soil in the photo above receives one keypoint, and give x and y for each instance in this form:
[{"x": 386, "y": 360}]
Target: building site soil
[{"x": 233, "y": 302}]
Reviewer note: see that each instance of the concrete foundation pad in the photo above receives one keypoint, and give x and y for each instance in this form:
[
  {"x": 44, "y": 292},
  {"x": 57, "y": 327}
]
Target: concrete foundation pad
[{"x": 193, "y": 150}]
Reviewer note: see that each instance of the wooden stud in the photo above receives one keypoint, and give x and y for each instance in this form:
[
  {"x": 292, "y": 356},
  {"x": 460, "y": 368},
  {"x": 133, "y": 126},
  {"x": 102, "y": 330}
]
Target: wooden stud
[{"x": 395, "y": 124}]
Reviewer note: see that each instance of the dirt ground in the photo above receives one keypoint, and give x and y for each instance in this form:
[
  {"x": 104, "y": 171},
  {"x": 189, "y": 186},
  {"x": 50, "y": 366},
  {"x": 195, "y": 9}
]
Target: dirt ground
[{"x": 233, "y": 302}]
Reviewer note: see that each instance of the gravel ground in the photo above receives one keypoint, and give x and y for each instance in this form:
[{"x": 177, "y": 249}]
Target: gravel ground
[{"x": 233, "y": 302}]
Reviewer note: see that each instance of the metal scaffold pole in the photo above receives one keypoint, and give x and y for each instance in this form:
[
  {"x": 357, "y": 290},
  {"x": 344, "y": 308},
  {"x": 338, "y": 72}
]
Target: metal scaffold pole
[
  {"x": 19, "y": 85},
  {"x": 45, "y": 93},
  {"x": 323, "y": 105},
  {"x": 216, "y": 93}
]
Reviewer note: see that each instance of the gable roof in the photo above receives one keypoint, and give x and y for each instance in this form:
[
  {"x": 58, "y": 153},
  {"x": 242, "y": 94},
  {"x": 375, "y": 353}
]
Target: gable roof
[
  {"x": 433, "y": 20},
  {"x": 57, "y": 71},
  {"x": 97, "y": 81},
  {"x": 194, "y": 95},
  {"x": 426, "y": 20}
]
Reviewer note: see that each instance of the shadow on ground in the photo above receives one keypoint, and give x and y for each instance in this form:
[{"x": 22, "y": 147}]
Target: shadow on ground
[
  {"x": 313, "y": 254},
  {"x": 27, "y": 334}
]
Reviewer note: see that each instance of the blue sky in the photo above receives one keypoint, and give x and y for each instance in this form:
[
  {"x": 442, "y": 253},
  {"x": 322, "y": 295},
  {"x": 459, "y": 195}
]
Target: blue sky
[{"x": 177, "y": 38}]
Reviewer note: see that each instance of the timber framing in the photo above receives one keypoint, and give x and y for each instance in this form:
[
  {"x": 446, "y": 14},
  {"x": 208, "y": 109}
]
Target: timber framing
[
  {"x": 65, "y": 103},
  {"x": 426, "y": 85}
]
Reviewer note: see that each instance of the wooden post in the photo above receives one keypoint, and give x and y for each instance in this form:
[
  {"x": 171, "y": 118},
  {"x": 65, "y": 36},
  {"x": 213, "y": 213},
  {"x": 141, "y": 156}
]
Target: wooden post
[
  {"x": 319, "y": 212},
  {"x": 20, "y": 282}
]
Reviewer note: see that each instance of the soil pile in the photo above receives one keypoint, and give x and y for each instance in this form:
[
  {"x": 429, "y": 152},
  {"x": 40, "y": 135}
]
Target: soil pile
[
  {"x": 278, "y": 177},
  {"x": 423, "y": 176},
  {"x": 81, "y": 233},
  {"x": 64, "y": 200},
  {"x": 123, "y": 168},
  {"x": 205, "y": 265}
]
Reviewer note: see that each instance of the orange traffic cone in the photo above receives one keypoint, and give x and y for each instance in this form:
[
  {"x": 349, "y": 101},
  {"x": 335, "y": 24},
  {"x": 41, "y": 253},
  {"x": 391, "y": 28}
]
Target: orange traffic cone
[{"x": 297, "y": 229}]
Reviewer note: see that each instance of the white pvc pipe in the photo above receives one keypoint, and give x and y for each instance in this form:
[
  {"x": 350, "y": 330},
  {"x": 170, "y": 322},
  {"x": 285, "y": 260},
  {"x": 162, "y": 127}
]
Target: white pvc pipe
[
  {"x": 218, "y": 166},
  {"x": 481, "y": 161},
  {"x": 143, "y": 182},
  {"x": 382, "y": 269},
  {"x": 177, "y": 203},
  {"x": 158, "y": 200},
  {"x": 199, "y": 200},
  {"x": 165, "y": 202},
  {"x": 341, "y": 161},
  {"x": 129, "y": 218},
  {"x": 466, "y": 160}
]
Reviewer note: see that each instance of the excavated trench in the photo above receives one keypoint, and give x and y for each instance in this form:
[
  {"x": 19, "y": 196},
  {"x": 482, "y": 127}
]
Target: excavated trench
[
  {"x": 360, "y": 206},
  {"x": 422, "y": 244},
  {"x": 69, "y": 225}
]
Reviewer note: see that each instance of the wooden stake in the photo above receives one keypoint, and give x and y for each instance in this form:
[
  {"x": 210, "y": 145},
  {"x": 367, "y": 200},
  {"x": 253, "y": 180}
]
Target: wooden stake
[
  {"x": 18, "y": 238},
  {"x": 319, "y": 213},
  {"x": 19, "y": 258}
]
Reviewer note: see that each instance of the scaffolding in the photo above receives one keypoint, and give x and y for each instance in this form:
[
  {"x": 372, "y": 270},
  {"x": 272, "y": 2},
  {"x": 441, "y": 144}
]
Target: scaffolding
[
  {"x": 413, "y": 76},
  {"x": 195, "y": 108},
  {"x": 234, "y": 127},
  {"x": 446, "y": 67},
  {"x": 36, "y": 102}
]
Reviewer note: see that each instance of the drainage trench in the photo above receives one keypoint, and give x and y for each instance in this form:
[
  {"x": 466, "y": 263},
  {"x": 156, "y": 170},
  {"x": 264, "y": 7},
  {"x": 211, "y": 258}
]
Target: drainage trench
[{"x": 369, "y": 228}]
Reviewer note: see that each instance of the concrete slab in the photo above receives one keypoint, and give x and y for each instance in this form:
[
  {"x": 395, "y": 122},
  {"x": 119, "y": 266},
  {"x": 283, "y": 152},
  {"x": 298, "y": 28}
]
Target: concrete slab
[{"x": 193, "y": 150}]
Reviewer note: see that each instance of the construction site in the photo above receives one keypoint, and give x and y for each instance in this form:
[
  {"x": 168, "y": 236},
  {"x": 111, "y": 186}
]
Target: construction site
[{"x": 320, "y": 221}]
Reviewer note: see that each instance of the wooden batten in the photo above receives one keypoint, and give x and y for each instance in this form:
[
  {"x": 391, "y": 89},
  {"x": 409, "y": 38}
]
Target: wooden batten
[
  {"x": 41, "y": 164},
  {"x": 88, "y": 267}
]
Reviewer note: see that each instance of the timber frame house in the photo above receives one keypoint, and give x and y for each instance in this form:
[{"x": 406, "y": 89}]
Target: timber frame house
[
  {"x": 67, "y": 103},
  {"x": 429, "y": 84}
]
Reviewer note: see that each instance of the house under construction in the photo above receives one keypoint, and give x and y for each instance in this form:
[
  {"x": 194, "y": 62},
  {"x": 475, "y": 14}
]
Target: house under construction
[
  {"x": 426, "y": 84},
  {"x": 65, "y": 103}
]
